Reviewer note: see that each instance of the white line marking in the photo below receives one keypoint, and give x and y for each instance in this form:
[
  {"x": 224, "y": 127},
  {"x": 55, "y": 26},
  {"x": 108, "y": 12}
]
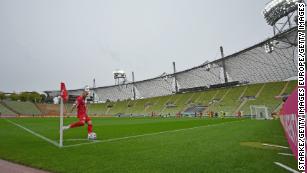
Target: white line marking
[
  {"x": 34, "y": 133},
  {"x": 285, "y": 154},
  {"x": 277, "y": 146},
  {"x": 286, "y": 167},
  {"x": 76, "y": 140},
  {"x": 149, "y": 134}
]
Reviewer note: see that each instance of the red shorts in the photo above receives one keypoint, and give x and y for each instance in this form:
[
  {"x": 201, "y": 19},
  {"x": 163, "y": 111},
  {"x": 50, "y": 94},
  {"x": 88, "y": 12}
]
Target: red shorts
[{"x": 84, "y": 118}]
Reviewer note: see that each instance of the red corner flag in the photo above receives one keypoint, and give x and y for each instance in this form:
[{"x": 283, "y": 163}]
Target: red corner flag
[{"x": 64, "y": 93}]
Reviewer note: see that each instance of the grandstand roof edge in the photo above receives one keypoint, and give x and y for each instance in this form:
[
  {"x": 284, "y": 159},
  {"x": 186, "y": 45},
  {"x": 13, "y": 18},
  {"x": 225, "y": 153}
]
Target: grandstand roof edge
[{"x": 202, "y": 65}]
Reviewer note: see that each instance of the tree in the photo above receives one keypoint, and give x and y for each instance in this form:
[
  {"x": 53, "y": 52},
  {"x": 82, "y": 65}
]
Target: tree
[
  {"x": 14, "y": 96},
  {"x": 27, "y": 96},
  {"x": 43, "y": 98},
  {"x": 2, "y": 96},
  {"x": 35, "y": 97},
  {"x": 24, "y": 96}
]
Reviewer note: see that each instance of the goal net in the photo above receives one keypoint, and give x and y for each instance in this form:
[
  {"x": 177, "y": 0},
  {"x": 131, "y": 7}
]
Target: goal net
[{"x": 259, "y": 112}]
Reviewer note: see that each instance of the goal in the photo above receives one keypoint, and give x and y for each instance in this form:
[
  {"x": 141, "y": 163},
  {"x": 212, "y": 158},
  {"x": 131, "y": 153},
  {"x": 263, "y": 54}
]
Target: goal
[{"x": 259, "y": 112}]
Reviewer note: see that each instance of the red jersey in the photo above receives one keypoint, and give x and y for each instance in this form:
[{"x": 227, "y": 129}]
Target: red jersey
[{"x": 81, "y": 106}]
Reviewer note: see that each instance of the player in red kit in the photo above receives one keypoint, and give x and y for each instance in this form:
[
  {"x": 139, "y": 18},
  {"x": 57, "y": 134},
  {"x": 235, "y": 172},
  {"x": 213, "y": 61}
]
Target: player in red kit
[{"x": 81, "y": 114}]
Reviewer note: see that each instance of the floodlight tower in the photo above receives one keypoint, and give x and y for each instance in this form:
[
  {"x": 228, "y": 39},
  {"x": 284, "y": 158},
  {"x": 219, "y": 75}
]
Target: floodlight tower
[
  {"x": 280, "y": 14},
  {"x": 175, "y": 78},
  {"x": 119, "y": 77},
  {"x": 133, "y": 87},
  {"x": 223, "y": 65},
  {"x": 94, "y": 86}
]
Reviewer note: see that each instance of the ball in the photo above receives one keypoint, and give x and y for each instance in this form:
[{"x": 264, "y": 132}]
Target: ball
[{"x": 92, "y": 136}]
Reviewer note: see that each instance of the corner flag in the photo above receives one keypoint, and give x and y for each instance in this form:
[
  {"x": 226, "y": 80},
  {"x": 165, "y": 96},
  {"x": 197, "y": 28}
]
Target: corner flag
[{"x": 64, "y": 93}]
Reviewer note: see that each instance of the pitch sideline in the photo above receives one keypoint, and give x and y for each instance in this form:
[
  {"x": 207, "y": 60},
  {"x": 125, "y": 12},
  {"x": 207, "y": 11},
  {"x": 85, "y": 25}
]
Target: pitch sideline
[
  {"x": 286, "y": 167},
  {"x": 34, "y": 133}
]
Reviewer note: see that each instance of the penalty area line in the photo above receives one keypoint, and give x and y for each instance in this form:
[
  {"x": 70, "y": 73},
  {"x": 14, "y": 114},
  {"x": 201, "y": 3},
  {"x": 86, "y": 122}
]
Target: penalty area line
[
  {"x": 34, "y": 133},
  {"x": 148, "y": 134}
]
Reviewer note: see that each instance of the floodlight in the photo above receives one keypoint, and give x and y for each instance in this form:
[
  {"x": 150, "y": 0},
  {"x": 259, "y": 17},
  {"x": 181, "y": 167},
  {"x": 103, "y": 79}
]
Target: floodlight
[{"x": 119, "y": 74}]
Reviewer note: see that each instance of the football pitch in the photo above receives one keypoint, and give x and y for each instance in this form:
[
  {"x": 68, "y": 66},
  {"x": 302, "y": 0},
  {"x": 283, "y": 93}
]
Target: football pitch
[{"x": 148, "y": 145}]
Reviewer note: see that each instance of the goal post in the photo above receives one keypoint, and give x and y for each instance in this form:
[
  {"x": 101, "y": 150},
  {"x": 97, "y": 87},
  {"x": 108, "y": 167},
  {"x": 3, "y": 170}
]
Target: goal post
[{"x": 259, "y": 112}]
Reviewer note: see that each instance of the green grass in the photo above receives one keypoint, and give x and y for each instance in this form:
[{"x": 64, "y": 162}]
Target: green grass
[{"x": 220, "y": 147}]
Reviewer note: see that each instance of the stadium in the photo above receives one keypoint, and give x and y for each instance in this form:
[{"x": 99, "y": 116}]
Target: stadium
[{"x": 220, "y": 116}]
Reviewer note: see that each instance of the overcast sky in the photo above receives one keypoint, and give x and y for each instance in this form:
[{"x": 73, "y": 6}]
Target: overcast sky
[{"x": 45, "y": 42}]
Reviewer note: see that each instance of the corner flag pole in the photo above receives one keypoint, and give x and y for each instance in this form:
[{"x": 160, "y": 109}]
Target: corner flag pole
[
  {"x": 61, "y": 122},
  {"x": 63, "y": 97}
]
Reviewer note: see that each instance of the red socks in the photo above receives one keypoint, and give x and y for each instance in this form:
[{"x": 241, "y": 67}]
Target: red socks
[{"x": 89, "y": 128}]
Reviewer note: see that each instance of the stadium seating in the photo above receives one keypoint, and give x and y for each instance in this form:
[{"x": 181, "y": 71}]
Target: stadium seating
[
  {"x": 97, "y": 109},
  {"x": 24, "y": 108},
  {"x": 54, "y": 109},
  {"x": 139, "y": 106},
  {"x": 49, "y": 109},
  {"x": 252, "y": 90},
  {"x": 266, "y": 97},
  {"x": 194, "y": 110},
  {"x": 225, "y": 99},
  {"x": 119, "y": 107},
  {"x": 158, "y": 104},
  {"x": 5, "y": 111},
  {"x": 206, "y": 97},
  {"x": 291, "y": 86},
  {"x": 229, "y": 100},
  {"x": 178, "y": 103}
]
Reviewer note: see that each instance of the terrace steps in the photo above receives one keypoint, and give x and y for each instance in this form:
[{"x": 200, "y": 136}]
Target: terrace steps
[
  {"x": 9, "y": 108},
  {"x": 284, "y": 89},
  {"x": 245, "y": 101}
]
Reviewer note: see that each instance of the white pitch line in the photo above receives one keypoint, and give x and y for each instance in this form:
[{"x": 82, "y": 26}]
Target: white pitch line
[
  {"x": 75, "y": 139},
  {"x": 34, "y": 133},
  {"x": 286, "y": 167},
  {"x": 285, "y": 154},
  {"x": 148, "y": 134},
  {"x": 277, "y": 146}
]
